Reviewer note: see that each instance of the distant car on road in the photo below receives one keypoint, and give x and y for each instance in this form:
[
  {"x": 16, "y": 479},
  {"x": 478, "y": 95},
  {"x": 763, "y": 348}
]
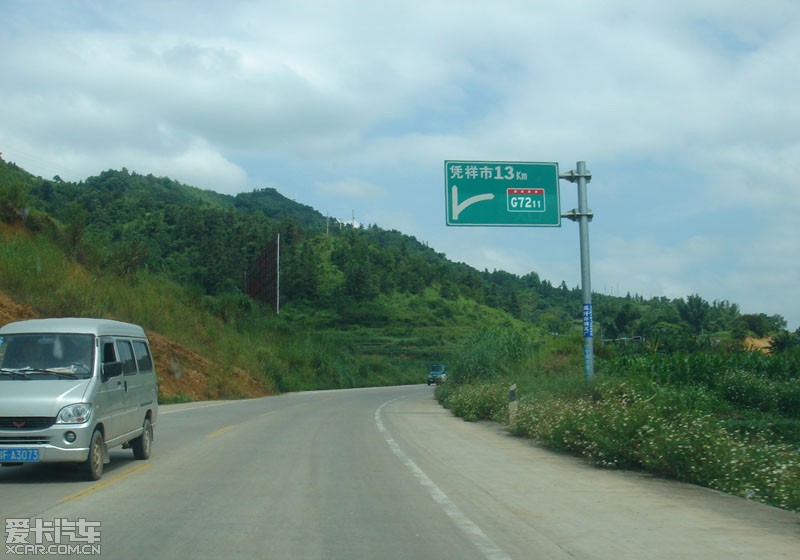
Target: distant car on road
[{"x": 437, "y": 374}]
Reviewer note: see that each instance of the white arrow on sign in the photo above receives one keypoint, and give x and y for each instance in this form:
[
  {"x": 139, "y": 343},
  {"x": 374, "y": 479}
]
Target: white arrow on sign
[{"x": 458, "y": 208}]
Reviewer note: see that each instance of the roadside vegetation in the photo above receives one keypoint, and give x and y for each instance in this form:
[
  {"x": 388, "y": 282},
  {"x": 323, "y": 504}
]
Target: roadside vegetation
[{"x": 725, "y": 419}]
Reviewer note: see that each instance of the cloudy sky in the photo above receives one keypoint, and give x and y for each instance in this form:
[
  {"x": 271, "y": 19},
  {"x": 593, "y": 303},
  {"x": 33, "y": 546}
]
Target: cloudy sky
[{"x": 687, "y": 114}]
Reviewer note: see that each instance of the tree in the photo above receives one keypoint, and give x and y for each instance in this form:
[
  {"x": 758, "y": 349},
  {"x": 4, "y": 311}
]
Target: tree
[
  {"x": 353, "y": 257},
  {"x": 783, "y": 341},
  {"x": 695, "y": 312},
  {"x": 723, "y": 315},
  {"x": 624, "y": 319},
  {"x": 303, "y": 273},
  {"x": 761, "y": 325},
  {"x": 76, "y": 218}
]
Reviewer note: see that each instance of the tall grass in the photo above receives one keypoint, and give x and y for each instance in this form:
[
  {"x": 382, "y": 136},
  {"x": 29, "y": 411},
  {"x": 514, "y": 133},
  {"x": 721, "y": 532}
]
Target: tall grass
[
  {"x": 490, "y": 353},
  {"x": 748, "y": 380}
]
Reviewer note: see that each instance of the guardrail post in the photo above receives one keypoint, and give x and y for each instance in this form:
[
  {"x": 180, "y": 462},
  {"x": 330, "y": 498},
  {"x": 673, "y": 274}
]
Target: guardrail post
[{"x": 512, "y": 404}]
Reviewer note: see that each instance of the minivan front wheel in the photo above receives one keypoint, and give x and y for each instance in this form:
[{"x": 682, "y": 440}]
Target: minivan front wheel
[
  {"x": 93, "y": 467},
  {"x": 144, "y": 443}
]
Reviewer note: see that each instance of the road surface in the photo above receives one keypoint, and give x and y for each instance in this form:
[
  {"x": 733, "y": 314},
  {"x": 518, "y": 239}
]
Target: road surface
[{"x": 379, "y": 473}]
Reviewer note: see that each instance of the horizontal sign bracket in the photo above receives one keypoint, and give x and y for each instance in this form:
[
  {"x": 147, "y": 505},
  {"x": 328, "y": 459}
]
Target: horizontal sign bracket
[
  {"x": 574, "y": 215},
  {"x": 573, "y": 176}
]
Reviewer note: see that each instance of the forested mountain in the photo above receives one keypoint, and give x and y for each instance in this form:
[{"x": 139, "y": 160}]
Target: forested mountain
[{"x": 125, "y": 222}]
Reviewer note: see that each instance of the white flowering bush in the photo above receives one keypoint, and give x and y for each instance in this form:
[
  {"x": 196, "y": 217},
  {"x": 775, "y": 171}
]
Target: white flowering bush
[
  {"x": 621, "y": 426},
  {"x": 699, "y": 449}
]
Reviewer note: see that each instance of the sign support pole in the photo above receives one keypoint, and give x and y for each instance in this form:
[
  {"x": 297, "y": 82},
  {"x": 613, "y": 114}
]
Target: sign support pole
[{"x": 583, "y": 216}]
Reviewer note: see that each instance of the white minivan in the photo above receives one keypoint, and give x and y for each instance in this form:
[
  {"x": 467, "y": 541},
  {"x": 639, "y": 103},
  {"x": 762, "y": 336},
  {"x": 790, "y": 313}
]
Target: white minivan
[{"x": 72, "y": 388}]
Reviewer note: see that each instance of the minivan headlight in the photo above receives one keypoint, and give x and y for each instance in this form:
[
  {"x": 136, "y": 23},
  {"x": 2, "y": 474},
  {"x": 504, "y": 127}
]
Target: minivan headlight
[{"x": 75, "y": 414}]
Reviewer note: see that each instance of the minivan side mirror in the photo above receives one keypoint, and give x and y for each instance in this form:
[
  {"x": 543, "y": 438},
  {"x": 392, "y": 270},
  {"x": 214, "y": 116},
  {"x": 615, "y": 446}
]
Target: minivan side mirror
[{"x": 111, "y": 369}]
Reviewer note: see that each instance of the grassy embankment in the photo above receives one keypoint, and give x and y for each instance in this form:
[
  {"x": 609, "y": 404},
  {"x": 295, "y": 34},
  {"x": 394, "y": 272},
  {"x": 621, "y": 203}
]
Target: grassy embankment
[{"x": 728, "y": 421}]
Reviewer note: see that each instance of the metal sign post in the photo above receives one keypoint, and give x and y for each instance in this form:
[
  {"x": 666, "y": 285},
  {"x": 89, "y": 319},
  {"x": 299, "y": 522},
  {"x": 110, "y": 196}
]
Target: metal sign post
[{"x": 583, "y": 216}]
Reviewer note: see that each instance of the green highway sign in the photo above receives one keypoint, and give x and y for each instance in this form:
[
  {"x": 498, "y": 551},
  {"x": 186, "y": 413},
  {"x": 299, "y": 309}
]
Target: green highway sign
[{"x": 502, "y": 193}]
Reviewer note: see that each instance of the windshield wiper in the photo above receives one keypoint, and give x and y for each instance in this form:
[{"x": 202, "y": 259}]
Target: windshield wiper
[
  {"x": 59, "y": 373},
  {"x": 14, "y": 373}
]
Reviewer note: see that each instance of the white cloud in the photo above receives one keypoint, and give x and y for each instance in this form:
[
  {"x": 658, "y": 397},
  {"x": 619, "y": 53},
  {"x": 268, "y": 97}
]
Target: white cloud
[
  {"x": 766, "y": 272},
  {"x": 757, "y": 177},
  {"x": 196, "y": 163},
  {"x": 650, "y": 267},
  {"x": 352, "y": 188}
]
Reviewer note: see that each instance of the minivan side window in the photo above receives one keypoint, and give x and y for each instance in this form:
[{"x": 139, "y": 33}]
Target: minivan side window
[
  {"x": 143, "y": 359},
  {"x": 126, "y": 357},
  {"x": 109, "y": 355}
]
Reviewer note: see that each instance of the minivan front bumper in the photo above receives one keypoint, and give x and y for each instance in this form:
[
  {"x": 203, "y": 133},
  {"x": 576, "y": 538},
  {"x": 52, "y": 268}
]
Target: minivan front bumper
[{"x": 53, "y": 444}]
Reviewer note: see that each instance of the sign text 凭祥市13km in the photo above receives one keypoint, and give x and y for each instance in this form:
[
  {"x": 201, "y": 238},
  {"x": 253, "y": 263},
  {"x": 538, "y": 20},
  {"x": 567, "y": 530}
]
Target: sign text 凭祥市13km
[{"x": 497, "y": 193}]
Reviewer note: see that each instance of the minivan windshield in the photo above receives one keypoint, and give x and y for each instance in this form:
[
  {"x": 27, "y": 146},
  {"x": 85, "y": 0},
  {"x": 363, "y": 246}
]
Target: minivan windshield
[{"x": 46, "y": 356}]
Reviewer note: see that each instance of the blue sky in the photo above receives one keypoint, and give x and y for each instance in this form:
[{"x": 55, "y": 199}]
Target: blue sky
[{"x": 686, "y": 113}]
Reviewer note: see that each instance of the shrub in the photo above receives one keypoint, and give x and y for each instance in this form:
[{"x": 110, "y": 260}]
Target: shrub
[
  {"x": 483, "y": 401},
  {"x": 659, "y": 430}
]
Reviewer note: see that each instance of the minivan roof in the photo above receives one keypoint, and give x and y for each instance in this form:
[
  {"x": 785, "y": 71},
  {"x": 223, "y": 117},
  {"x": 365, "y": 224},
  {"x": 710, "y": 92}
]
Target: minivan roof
[{"x": 97, "y": 327}]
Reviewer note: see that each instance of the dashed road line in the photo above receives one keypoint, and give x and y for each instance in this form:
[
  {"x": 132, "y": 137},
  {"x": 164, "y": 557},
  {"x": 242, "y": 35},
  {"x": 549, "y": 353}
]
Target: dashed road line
[{"x": 489, "y": 549}]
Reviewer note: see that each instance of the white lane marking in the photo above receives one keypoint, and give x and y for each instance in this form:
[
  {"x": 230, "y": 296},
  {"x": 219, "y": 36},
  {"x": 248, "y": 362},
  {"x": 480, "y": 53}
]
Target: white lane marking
[{"x": 474, "y": 533}]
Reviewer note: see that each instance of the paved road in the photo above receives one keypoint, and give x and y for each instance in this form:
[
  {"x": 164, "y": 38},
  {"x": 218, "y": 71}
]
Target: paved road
[{"x": 384, "y": 474}]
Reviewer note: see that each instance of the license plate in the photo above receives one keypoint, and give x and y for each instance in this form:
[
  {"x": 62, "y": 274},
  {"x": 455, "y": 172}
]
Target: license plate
[{"x": 19, "y": 455}]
